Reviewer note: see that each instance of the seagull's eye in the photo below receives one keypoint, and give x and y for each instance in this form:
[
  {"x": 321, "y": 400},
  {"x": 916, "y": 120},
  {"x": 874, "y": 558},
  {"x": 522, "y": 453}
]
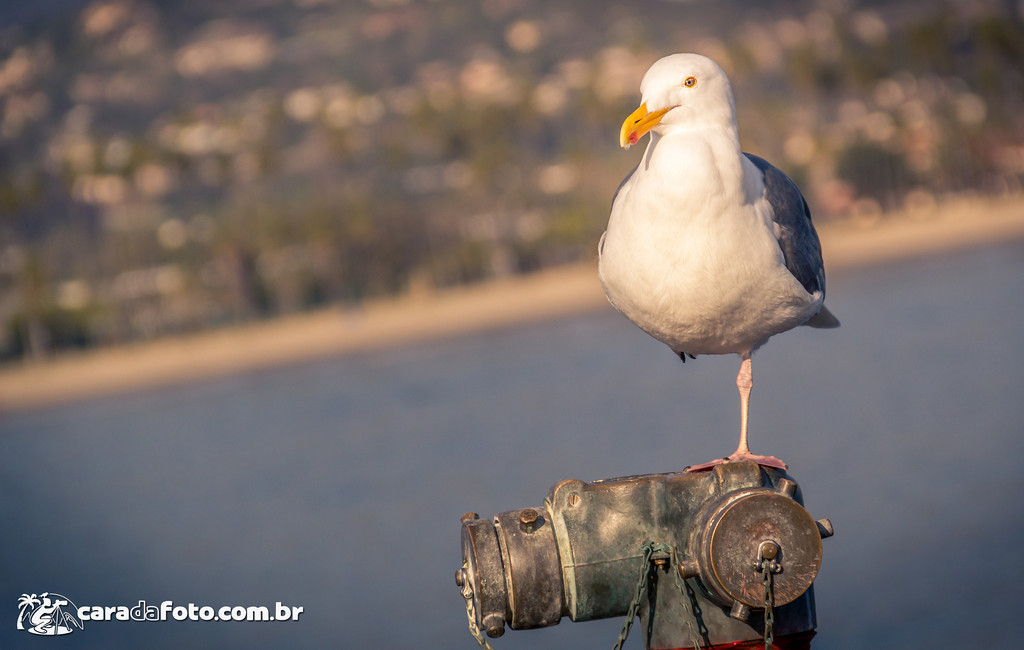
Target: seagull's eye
[{"x": 690, "y": 82}]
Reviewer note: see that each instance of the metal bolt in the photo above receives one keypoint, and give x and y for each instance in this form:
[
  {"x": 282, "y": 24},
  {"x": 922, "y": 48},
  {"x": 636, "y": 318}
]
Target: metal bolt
[
  {"x": 469, "y": 516},
  {"x": 825, "y": 528},
  {"x": 786, "y": 487},
  {"x": 739, "y": 611},
  {"x": 767, "y": 550},
  {"x": 688, "y": 569},
  {"x": 460, "y": 577},
  {"x": 574, "y": 500},
  {"x": 494, "y": 625},
  {"x": 528, "y": 518}
]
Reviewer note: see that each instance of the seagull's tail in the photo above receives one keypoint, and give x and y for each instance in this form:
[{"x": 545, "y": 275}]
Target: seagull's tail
[{"x": 824, "y": 319}]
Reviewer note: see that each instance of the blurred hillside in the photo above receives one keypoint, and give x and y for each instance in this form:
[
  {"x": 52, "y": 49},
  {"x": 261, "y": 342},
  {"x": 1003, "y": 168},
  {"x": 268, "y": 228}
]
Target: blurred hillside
[{"x": 177, "y": 165}]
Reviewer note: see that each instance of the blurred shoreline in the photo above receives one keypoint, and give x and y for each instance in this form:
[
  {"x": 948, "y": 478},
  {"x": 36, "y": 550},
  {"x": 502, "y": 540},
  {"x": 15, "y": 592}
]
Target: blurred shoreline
[{"x": 954, "y": 224}]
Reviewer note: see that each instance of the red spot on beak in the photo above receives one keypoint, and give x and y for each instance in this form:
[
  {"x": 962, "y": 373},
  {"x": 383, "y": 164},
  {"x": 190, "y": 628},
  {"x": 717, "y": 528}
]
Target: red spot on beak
[{"x": 633, "y": 138}]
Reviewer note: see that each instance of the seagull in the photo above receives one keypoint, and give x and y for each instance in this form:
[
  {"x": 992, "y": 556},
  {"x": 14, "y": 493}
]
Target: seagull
[{"x": 708, "y": 249}]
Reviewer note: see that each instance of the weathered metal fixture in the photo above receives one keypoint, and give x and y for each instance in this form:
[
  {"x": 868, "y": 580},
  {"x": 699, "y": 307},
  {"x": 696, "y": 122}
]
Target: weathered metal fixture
[{"x": 704, "y": 558}]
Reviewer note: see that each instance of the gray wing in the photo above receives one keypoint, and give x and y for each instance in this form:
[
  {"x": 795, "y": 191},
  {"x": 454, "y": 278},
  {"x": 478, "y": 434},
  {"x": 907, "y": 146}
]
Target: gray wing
[{"x": 793, "y": 228}]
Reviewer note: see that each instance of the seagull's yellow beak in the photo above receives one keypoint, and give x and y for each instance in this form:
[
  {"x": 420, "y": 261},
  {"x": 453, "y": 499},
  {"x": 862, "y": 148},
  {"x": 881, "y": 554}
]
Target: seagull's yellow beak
[{"x": 638, "y": 124}]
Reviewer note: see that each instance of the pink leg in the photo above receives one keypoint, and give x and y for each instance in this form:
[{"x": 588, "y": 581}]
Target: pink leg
[{"x": 745, "y": 382}]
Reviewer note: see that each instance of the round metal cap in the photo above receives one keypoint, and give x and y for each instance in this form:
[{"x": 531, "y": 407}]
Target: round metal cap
[{"x": 735, "y": 535}]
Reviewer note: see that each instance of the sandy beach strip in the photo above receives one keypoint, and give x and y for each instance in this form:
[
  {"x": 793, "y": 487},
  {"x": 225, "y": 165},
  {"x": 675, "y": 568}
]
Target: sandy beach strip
[{"x": 330, "y": 332}]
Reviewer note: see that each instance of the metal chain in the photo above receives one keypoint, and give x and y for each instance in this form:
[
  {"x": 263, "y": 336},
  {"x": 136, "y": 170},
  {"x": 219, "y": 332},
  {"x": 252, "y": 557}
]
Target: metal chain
[
  {"x": 474, "y": 629},
  {"x": 767, "y": 576},
  {"x": 691, "y": 618},
  {"x": 641, "y": 584},
  {"x": 645, "y": 574},
  {"x": 698, "y": 615}
]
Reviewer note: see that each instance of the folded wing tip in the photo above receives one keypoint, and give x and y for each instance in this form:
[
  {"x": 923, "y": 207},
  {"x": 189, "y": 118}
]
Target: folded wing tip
[{"x": 824, "y": 319}]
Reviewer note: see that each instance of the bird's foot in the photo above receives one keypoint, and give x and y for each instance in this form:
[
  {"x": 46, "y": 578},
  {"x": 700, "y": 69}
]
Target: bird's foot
[{"x": 740, "y": 457}]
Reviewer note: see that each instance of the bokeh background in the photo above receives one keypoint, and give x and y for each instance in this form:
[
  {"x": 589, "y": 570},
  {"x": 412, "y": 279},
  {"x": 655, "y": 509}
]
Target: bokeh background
[{"x": 173, "y": 168}]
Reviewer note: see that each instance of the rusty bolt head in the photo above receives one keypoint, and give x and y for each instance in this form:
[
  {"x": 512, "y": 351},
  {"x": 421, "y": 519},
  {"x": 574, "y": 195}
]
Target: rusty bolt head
[
  {"x": 529, "y": 520},
  {"x": 469, "y": 516},
  {"x": 460, "y": 577}
]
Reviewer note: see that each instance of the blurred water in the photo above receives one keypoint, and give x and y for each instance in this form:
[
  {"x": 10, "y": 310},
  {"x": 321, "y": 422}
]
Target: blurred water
[{"x": 338, "y": 485}]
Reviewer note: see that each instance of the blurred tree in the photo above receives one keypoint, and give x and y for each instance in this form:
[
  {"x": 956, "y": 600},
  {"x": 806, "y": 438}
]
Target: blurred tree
[{"x": 875, "y": 172}]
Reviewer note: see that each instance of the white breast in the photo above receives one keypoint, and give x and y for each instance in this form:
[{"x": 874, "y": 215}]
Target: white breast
[{"x": 694, "y": 262}]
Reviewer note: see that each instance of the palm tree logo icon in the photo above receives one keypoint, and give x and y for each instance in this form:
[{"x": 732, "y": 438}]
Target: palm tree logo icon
[{"x": 47, "y": 614}]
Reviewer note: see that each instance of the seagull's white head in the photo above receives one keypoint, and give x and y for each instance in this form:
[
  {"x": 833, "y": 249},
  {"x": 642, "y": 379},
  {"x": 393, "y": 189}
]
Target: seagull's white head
[{"x": 680, "y": 91}]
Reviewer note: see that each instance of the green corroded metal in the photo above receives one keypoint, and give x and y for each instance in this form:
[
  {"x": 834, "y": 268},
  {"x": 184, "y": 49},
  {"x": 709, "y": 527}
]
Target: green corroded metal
[{"x": 580, "y": 555}]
